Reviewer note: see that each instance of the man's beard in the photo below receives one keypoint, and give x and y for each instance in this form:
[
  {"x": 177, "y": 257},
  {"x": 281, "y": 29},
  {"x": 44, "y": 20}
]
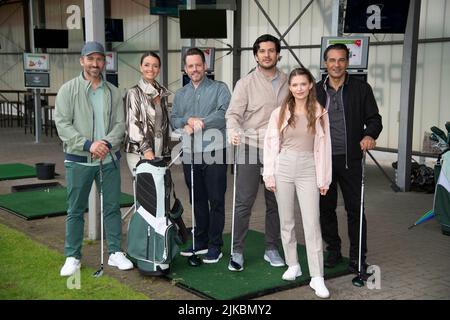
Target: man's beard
[{"x": 273, "y": 65}]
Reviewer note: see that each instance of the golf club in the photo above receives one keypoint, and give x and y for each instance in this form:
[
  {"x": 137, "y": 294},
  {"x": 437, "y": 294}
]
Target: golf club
[
  {"x": 358, "y": 281},
  {"x": 440, "y": 143},
  {"x": 447, "y": 126},
  {"x": 438, "y": 138},
  {"x": 193, "y": 260},
  {"x": 439, "y": 133},
  {"x": 236, "y": 266},
  {"x": 433, "y": 137},
  {"x": 175, "y": 159},
  {"x": 99, "y": 272}
]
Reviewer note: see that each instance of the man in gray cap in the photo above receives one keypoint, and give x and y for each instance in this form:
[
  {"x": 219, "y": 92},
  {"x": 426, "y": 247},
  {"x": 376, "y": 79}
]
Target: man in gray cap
[{"x": 90, "y": 119}]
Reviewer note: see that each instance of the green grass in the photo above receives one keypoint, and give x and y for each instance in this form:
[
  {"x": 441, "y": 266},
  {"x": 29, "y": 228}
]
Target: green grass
[{"x": 30, "y": 271}]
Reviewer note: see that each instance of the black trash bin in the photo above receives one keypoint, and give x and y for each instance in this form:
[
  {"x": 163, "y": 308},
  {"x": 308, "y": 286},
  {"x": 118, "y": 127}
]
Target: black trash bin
[{"x": 45, "y": 171}]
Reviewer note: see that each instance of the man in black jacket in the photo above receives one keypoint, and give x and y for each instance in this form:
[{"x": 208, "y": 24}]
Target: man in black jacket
[{"x": 355, "y": 124}]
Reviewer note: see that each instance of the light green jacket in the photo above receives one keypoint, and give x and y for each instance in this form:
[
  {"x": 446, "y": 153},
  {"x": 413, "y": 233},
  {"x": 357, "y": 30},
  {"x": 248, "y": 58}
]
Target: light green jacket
[{"x": 74, "y": 119}]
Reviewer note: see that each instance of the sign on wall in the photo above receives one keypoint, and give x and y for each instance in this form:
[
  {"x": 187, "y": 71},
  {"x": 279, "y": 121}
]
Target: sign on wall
[
  {"x": 36, "y": 62},
  {"x": 358, "y": 47},
  {"x": 111, "y": 61},
  {"x": 36, "y": 79}
]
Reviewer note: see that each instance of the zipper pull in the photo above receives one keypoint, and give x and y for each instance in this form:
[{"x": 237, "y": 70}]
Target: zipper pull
[{"x": 148, "y": 231}]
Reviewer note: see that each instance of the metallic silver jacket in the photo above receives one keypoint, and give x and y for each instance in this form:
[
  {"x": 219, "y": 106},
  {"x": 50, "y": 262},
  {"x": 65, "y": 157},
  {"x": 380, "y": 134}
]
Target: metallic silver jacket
[{"x": 144, "y": 117}]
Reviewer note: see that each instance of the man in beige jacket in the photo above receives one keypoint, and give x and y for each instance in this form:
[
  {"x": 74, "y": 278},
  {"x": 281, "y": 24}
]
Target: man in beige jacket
[{"x": 254, "y": 98}]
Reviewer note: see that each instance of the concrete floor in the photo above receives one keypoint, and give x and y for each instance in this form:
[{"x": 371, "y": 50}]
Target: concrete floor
[{"x": 414, "y": 264}]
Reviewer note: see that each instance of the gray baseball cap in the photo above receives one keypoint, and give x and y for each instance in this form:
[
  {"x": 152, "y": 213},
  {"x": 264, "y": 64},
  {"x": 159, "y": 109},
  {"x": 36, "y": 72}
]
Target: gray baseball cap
[{"x": 92, "y": 47}]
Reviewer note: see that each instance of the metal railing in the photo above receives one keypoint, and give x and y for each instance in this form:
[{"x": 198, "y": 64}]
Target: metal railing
[{"x": 17, "y": 109}]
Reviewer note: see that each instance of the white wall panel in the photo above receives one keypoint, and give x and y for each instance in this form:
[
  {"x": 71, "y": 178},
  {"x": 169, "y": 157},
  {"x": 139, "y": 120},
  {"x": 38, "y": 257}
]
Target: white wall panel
[
  {"x": 444, "y": 83},
  {"x": 11, "y": 40},
  {"x": 427, "y": 108},
  {"x": 434, "y": 18},
  {"x": 11, "y": 31}
]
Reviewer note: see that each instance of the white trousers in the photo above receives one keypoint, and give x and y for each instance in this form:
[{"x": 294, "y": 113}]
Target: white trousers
[
  {"x": 295, "y": 173},
  {"x": 132, "y": 160}
]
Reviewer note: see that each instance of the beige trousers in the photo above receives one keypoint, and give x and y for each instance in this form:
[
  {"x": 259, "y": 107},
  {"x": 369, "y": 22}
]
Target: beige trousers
[
  {"x": 132, "y": 160},
  {"x": 295, "y": 173}
]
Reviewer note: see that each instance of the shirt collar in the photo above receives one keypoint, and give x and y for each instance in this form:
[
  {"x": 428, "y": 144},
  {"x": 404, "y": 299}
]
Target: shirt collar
[
  {"x": 327, "y": 81},
  {"x": 205, "y": 81},
  {"x": 88, "y": 83},
  {"x": 275, "y": 77},
  {"x": 148, "y": 88}
]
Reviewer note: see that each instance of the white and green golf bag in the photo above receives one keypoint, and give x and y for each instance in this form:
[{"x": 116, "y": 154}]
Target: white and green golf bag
[
  {"x": 152, "y": 232},
  {"x": 441, "y": 204}
]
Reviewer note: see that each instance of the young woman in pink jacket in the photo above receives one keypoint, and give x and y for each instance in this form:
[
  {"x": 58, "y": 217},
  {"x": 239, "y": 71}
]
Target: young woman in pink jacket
[{"x": 297, "y": 159}]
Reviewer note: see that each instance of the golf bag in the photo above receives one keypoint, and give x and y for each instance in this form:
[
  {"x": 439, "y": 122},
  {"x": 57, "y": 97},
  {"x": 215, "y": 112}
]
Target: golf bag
[
  {"x": 422, "y": 177},
  {"x": 154, "y": 231}
]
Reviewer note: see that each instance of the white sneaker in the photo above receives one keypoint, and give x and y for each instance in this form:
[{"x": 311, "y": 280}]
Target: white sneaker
[
  {"x": 236, "y": 262},
  {"x": 274, "y": 258},
  {"x": 318, "y": 285},
  {"x": 119, "y": 260},
  {"x": 292, "y": 273},
  {"x": 70, "y": 267}
]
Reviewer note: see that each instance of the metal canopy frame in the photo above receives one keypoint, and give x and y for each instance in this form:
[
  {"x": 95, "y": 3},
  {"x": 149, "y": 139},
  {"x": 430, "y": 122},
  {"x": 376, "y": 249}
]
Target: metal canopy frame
[
  {"x": 282, "y": 36},
  {"x": 407, "y": 95}
]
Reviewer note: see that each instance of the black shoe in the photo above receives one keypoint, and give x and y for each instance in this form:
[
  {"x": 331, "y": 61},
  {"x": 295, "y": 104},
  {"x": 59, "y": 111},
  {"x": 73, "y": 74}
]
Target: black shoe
[
  {"x": 332, "y": 260},
  {"x": 353, "y": 268},
  {"x": 190, "y": 251},
  {"x": 213, "y": 255}
]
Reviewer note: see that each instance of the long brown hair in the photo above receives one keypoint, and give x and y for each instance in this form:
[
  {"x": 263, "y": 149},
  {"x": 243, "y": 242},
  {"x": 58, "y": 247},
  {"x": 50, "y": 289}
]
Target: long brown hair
[{"x": 289, "y": 102}]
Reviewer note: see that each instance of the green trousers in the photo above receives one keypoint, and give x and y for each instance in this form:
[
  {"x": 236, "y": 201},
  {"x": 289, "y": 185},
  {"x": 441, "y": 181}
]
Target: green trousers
[{"x": 79, "y": 180}]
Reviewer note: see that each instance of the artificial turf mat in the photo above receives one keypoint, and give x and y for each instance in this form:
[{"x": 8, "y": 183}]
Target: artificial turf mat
[
  {"x": 12, "y": 171},
  {"x": 215, "y": 281},
  {"x": 44, "y": 203}
]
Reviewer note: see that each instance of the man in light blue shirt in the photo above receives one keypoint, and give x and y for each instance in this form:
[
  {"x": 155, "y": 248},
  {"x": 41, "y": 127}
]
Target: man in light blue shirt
[{"x": 199, "y": 110}]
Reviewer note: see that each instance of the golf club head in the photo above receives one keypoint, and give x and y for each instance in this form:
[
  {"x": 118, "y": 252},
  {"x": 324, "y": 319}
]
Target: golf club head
[
  {"x": 194, "y": 261},
  {"x": 357, "y": 281},
  {"x": 439, "y": 133},
  {"x": 447, "y": 126},
  {"x": 433, "y": 137},
  {"x": 98, "y": 273},
  {"x": 440, "y": 143}
]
